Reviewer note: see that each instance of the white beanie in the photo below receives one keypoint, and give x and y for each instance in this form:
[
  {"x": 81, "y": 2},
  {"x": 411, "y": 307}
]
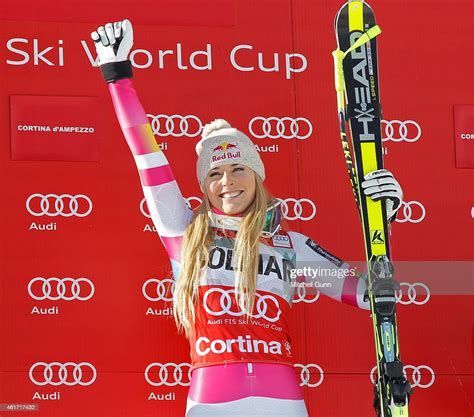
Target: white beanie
[{"x": 222, "y": 144}]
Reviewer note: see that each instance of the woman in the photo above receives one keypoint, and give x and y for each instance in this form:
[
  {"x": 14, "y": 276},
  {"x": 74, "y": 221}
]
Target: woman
[{"x": 232, "y": 259}]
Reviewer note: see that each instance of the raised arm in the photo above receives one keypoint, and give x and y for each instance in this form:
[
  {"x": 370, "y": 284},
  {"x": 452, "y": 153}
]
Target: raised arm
[
  {"x": 168, "y": 209},
  {"x": 327, "y": 273}
]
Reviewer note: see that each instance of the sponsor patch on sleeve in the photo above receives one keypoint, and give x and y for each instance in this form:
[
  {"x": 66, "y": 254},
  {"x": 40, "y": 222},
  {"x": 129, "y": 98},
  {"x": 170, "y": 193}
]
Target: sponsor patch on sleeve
[
  {"x": 281, "y": 241},
  {"x": 325, "y": 254}
]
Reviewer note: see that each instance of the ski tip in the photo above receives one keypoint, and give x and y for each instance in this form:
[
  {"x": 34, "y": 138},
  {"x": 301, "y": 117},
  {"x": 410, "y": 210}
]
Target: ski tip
[
  {"x": 343, "y": 9},
  {"x": 368, "y": 6},
  {"x": 344, "y": 6}
]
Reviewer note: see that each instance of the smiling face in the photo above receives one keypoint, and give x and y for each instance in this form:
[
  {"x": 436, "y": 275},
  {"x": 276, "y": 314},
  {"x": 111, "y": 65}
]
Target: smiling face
[{"x": 230, "y": 188}]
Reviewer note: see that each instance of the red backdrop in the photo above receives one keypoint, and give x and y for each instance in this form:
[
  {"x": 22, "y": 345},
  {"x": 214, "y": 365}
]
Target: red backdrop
[{"x": 85, "y": 331}]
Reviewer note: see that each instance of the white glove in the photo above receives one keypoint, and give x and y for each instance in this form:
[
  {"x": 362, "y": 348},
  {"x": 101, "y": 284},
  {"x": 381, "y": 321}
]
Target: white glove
[
  {"x": 113, "y": 42},
  {"x": 381, "y": 184}
]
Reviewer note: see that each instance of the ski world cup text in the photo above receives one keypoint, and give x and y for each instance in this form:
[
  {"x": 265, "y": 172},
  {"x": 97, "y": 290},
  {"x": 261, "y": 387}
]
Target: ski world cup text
[{"x": 24, "y": 51}]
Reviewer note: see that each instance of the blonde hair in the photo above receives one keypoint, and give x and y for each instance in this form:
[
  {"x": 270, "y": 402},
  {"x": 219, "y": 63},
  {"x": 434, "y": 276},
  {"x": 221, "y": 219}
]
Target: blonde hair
[{"x": 197, "y": 240}]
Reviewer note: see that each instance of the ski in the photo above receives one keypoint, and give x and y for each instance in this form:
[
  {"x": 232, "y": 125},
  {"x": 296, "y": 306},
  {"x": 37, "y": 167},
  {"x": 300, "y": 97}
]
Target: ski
[{"x": 357, "y": 87}]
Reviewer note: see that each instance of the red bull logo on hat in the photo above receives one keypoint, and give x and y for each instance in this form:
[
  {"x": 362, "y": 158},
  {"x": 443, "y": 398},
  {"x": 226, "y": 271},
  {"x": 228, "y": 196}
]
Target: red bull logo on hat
[{"x": 223, "y": 147}]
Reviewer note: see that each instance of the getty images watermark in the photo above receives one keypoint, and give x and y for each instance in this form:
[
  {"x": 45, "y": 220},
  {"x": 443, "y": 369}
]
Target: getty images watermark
[
  {"x": 319, "y": 276},
  {"x": 419, "y": 280}
]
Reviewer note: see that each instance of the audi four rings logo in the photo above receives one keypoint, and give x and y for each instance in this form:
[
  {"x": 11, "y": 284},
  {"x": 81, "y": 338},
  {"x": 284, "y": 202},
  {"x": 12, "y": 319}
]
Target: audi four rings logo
[
  {"x": 398, "y": 130},
  {"x": 162, "y": 289},
  {"x": 225, "y": 301},
  {"x": 292, "y": 208},
  {"x": 175, "y": 125},
  {"x": 300, "y": 295},
  {"x": 260, "y": 127},
  {"x": 284, "y": 127},
  {"x": 412, "y": 293},
  {"x": 301, "y": 209},
  {"x": 307, "y": 371},
  {"x": 65, "y": 372},
  {"x": 65, "y": 205},
  {"x": 58, "y": 289},
  {"x": 421, "y": 376},
  {"x": 169, "y": 374},
  {"x": 411, "y": 212}
]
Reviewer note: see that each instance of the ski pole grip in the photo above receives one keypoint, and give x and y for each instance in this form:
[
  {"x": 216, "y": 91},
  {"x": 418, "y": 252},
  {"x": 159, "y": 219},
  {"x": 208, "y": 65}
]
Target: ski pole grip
[{"x": 338, "y": 56}]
